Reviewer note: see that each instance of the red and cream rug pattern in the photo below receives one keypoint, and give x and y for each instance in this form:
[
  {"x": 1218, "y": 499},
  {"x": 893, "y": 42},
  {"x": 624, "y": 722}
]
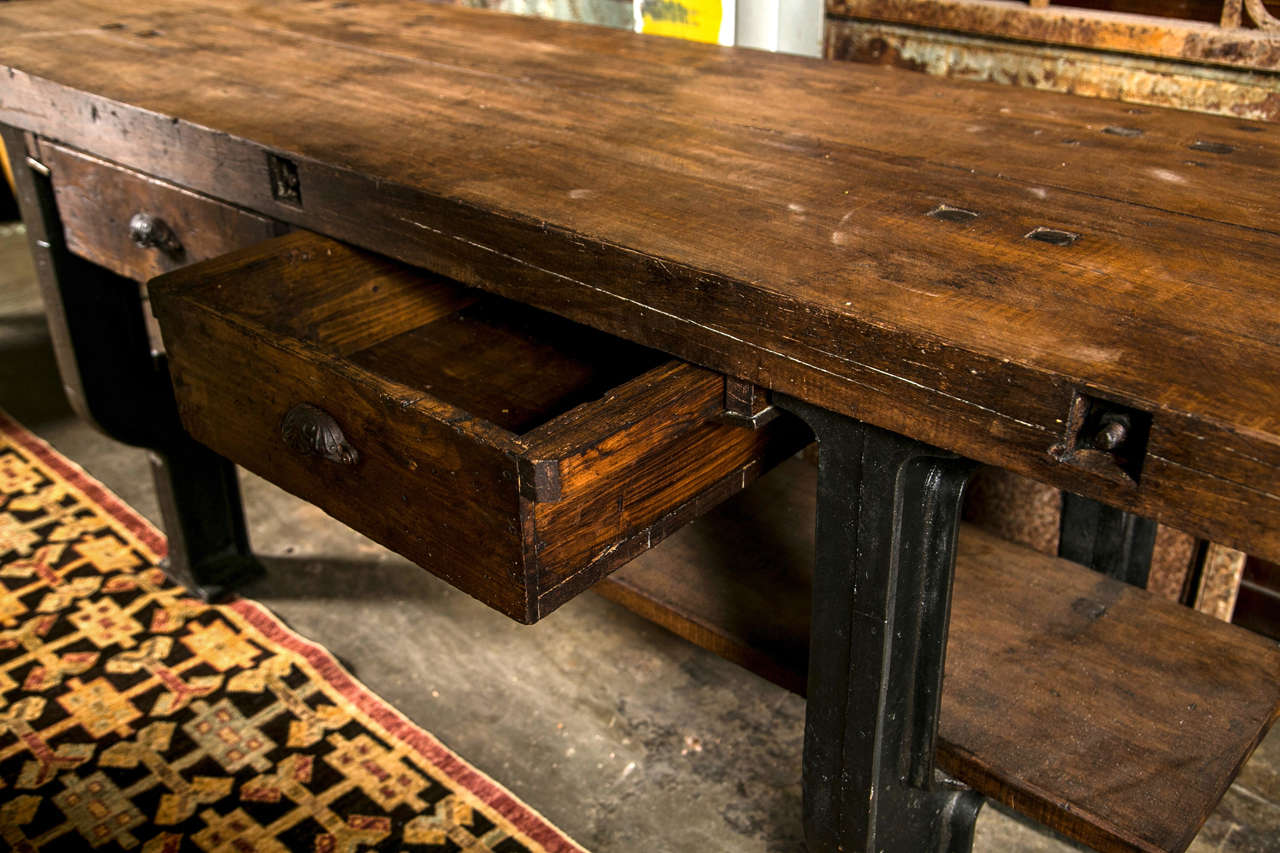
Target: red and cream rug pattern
[{"x": 135, "y": 717}]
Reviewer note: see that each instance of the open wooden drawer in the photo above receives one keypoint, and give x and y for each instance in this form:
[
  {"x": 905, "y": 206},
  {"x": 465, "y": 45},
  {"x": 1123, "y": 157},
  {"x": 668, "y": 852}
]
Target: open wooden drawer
[{"x": 513, "y": 453}]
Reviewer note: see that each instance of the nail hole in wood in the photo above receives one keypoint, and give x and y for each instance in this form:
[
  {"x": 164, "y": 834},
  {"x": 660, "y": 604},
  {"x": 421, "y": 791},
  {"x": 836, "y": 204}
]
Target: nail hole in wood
[
  {"x": 953, "y": 214},
  {"x": 1211, "y": 147},
  {"x": 1117, "y": 130},
  {"x": 284, "y": 180},
  {"x": 1052, "y": 236}
]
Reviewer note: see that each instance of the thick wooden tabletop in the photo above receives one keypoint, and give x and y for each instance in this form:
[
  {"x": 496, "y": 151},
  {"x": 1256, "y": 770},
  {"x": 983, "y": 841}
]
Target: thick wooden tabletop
[{"x": 764, "y": 215}]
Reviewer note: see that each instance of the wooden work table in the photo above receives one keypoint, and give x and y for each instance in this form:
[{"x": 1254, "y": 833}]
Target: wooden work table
[
  {"x": 1081, "y": 291},
  {"x": 763, "y": 215}
]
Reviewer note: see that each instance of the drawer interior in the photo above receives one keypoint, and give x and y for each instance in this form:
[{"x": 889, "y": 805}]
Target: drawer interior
[
  {"x": 512, "y": 365},
  {"x": 509, "y": 364}
]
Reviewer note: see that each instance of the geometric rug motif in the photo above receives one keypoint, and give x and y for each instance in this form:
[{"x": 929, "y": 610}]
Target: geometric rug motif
[{"x": 135, "y": 717}]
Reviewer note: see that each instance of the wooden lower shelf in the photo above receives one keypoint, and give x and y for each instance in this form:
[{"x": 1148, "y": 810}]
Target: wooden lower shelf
[{"x": 1113, "y": 716}]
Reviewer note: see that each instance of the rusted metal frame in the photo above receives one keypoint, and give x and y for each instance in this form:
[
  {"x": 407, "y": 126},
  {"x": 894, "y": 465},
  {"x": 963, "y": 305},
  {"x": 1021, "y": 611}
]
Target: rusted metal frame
[
  {"x": 115, "y": 382},
  {"x": 1144, "y": 35},
  {"x": 1230, "y": 14},
  {"x": 1261, "y": 18},
  {"x": 1144, "y": 80}
]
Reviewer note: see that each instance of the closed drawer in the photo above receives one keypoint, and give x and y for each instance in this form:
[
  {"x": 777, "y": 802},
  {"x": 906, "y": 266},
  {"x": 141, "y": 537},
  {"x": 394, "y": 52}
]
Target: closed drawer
[
  {"x": 138, "y": 226},
  {"x": 517, "y": 455}
]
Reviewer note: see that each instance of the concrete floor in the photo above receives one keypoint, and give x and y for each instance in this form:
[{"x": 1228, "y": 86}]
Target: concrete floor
[{"x": 625, "y": 736}]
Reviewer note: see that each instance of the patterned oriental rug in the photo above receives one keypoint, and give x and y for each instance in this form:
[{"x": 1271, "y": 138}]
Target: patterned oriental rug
[{"x": 135, "y": 717}]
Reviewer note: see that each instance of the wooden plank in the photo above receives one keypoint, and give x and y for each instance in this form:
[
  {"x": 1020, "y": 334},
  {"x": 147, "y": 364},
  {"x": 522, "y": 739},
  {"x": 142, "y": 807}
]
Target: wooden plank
[
  {"x": 1105, "y": 712},
  {"x": 776, "y": 229},
  {"x": 958, "y": 124}
]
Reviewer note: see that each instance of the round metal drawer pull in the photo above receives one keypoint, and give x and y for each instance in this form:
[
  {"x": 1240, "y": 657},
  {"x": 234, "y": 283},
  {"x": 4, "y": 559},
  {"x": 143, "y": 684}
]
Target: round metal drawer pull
[
  {"x": 311, "y": 430},
  {"x": 152, "y": 232}
]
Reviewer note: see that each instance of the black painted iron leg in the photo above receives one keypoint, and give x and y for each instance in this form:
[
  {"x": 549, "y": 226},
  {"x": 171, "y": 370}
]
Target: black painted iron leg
[
  {"x": 113, "y": 380},
  {"x": 888, "y": 510},
  {"x": 200, "y": 504},
  {"x": 1117, "y": 543}
]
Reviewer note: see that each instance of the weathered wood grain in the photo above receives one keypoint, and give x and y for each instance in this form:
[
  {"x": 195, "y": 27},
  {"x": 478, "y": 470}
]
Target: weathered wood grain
[
  {"x": 603, "y": 448},
  {"x": 755, "y": 214},
  {"x": 1096, "y": 708}
]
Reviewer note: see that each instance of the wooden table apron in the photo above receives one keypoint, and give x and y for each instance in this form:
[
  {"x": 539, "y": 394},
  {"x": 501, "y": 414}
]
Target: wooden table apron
[{"x": 916, "y": 297}]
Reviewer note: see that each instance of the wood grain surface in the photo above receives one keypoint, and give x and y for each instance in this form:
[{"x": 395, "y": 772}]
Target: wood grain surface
[
  {"x": 766, "y": 216},
  {"x": 1105, "y": 712}
]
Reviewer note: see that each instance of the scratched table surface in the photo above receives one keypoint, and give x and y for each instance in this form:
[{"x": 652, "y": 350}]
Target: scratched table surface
[{"x": 955, "y": 261}]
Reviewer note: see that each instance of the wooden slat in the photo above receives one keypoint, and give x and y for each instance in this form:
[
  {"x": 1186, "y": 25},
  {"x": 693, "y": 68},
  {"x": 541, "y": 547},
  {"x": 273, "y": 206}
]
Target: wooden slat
[
  {"x": 761, "y": 215},
  {"x": 1105, "y": 712}
]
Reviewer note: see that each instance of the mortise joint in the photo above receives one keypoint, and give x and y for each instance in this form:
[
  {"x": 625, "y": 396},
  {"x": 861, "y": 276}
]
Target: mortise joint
[
  {"x": 1105, "y": 437},
  {"x": 746, "y": 404},
  {"x": 285, "y": 186}
]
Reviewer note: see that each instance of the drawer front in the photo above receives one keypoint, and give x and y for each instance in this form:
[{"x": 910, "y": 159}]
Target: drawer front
[
  {"x": 502, "y": 449},
  {"x": 138, "y": 226}
]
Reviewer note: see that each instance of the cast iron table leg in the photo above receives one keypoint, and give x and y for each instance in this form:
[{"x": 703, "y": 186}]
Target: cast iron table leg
[
  {"x": 888, "y": 509},
  {"x": 113, "y": 380},
  {"x": 1117, "y": 543},
  {"x": 203, "y": 517}
]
